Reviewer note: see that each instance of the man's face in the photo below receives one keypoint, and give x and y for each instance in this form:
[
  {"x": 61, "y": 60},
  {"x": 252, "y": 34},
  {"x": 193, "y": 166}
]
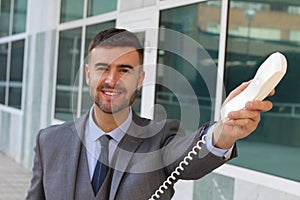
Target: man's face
[{"x": 114, "y": 75}]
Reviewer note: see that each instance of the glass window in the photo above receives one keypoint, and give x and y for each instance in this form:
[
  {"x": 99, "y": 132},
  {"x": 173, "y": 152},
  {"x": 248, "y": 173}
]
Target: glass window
[
  {"x": 11, "y": 84},
  {"x": 20, "y": 12},
  {"x": 96, "y": 7},
  {"x": 188, "y": 51},
  {"x": 16, "y": 74},
  {"x": 3, "y": 71},
  {"x": 17, "y": 12},
  {"x": 253, "y": 35},
  {"x": 71, "y": 10},
  {"x": 68, "y": 65},
  {"x": 4, "y": 19}
]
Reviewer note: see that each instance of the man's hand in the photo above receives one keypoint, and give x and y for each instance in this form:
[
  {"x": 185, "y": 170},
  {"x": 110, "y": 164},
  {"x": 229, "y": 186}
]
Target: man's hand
[{"x": 241, "y": 123}]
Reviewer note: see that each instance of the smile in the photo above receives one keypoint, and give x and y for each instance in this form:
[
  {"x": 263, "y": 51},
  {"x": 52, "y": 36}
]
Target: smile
[{"x": 114, "y": 93}]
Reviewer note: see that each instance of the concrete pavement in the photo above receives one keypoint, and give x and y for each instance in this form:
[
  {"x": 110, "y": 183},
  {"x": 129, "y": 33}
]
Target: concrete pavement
[{"x": 14, "y": 179}]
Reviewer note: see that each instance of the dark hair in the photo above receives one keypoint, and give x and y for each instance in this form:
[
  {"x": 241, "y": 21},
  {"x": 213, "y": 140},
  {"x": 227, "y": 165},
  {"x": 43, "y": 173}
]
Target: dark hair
[{"x": 117, "y": 38}]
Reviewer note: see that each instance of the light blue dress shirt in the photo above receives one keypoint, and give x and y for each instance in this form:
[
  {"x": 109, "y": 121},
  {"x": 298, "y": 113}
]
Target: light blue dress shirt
[{"x": 93, "y": 133}]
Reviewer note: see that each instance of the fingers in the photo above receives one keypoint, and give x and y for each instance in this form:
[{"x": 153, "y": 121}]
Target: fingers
[
  {"x": 272, "y": 93},
  {"x": 262, "y": 106},
  {"x": 249, "y": 117}
]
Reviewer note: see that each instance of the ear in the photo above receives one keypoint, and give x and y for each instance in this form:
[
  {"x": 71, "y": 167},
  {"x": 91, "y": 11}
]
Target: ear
[
  {"x": 140, "y": 80},
  {"x": 87, "y": 74}
]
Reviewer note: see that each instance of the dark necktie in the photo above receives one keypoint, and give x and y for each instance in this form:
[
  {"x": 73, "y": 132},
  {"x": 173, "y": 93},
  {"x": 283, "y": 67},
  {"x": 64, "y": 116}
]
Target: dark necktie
[{"x": 101, "y": 168}]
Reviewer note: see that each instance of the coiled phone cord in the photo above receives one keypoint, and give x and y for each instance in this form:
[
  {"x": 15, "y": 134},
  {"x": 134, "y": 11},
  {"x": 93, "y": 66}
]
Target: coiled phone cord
[{"x": 171, "y": 179}]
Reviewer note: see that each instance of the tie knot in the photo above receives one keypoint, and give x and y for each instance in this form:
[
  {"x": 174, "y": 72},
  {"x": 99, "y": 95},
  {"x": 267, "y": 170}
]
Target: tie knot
[{"x": 104, "y": 140}]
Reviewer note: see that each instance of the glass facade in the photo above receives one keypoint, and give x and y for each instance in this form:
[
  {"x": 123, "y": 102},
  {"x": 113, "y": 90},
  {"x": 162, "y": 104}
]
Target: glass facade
[
  {"x": 16, "y": 74},
  {"x": 3, "y": 71},
  {"x": 19, "y": 16},
  {"x": 74, "y": 9},
  {"x": 255, "y": 31},
  {"x": 67, "y": 68},
  {"x": 5, "y": 16},
  {"x": 13, "y": 17},
  {"x": 71, "y": 10},
  {"x": 182, "y": 57},
  {"x": 96, "y": 7}
]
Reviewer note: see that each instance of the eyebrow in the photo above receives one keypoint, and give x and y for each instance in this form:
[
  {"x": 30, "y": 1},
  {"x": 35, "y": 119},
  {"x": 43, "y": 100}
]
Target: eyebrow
[
  {"x": 101, "y": 64},
  {"x": 126, "y": 66},
  {"x": 119, "y": 66}
]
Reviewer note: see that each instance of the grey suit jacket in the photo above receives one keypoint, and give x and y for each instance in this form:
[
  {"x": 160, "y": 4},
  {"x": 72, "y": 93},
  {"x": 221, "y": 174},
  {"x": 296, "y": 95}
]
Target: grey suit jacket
[{"x": 145, "y": 157}]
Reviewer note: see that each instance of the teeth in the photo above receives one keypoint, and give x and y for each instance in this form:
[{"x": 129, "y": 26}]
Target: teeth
[{"x": 111, "y": 93}]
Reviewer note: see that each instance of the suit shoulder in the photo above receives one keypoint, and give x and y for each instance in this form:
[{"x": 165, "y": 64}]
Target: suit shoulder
[{"x": 57, "y": 133}]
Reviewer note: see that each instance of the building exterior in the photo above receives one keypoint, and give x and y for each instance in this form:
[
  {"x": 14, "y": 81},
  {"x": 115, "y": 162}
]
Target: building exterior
[{"x": 203, "y": 49}]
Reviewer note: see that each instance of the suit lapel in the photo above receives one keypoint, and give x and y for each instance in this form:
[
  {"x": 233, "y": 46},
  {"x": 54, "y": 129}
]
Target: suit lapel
[{"x": 126, "y": 149}]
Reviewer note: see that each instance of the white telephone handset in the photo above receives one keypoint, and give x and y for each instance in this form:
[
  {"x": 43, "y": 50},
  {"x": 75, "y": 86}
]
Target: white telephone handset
[{"x": 265, "y": 80}]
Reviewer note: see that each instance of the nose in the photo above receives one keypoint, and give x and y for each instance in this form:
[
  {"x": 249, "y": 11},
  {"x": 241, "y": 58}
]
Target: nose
[{"x": 111, "y": 77}]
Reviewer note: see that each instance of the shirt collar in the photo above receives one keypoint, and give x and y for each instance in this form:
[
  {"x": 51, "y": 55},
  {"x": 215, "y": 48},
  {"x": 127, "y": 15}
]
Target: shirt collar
[{"x": 117, "y": 134}]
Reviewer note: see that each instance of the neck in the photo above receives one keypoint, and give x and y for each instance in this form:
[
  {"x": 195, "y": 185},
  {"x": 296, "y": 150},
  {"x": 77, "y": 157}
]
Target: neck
[{"x": 108, "y": 122}]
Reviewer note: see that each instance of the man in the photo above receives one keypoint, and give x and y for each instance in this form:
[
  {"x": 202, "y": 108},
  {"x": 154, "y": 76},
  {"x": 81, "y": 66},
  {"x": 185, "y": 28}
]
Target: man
[{"x": 141, "y": 153}]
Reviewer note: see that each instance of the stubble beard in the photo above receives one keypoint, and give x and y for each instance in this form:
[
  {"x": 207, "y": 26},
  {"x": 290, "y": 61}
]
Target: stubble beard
[{"x": 114, "y": 109}]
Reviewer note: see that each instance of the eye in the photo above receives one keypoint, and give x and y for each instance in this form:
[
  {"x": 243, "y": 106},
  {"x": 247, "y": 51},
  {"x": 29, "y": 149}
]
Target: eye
[
  {"x": 124, "y": 70},
  {"x": 102, "y": 68}
]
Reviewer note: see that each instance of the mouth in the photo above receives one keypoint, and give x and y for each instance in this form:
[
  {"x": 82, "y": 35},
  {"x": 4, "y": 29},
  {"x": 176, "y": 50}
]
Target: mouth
[{"x": 112, "y": 93}]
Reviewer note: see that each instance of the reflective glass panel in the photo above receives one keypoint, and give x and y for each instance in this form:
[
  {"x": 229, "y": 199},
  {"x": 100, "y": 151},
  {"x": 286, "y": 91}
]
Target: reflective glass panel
[
  {"x": 16, "y": 74},
  {"x": 3, "y": 61},
  {"x": 188, "y": 51},
  {"x": 71, "y": 10},
  {"x": 3, "y": 70},
  {"x": 17, "y": 59},
  {"x": 67, "y": 69},
  {"x": 19, "y": 16},
  {"x": 4, "y": 17},
  {"x": 255, "y": 31},
  {"x": 96, "y": 7}
]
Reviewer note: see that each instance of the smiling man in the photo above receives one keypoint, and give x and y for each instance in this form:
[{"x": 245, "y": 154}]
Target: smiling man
[{"x": 112, "y": 153}]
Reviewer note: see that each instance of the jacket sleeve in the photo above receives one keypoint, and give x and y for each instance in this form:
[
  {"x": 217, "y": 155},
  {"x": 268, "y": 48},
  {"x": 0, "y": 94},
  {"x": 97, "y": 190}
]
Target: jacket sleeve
[
  {"x": 201, "y": 164},
  {"x": 36, "y": 190}
]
